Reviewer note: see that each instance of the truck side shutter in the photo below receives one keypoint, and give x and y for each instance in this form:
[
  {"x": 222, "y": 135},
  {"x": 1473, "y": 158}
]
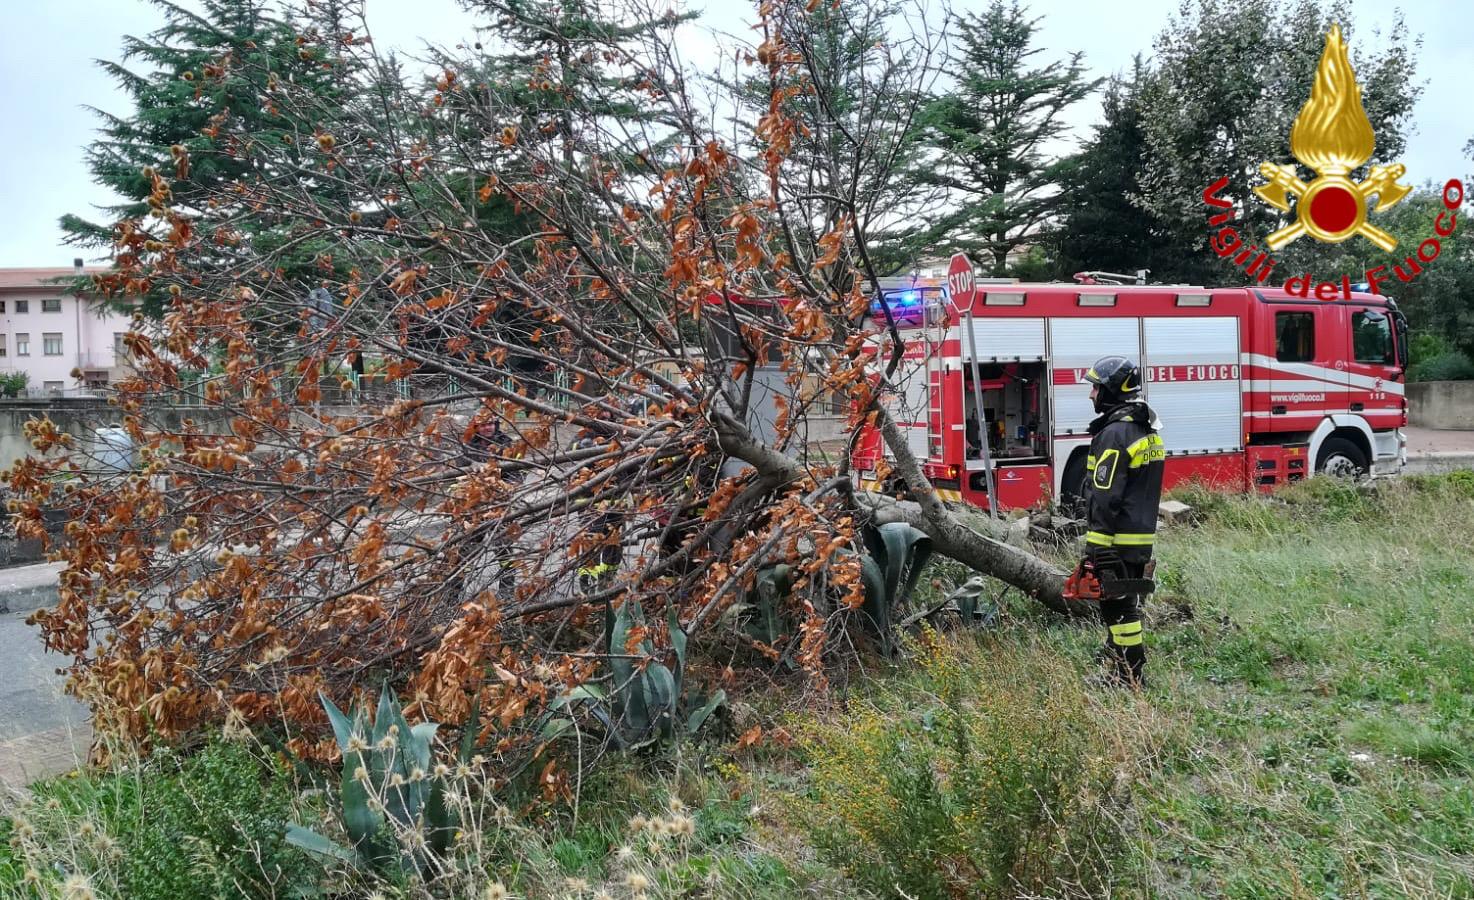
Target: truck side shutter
[
  {"x": 1194, "y": 381},
  {"x": 1074, "y": 346},
  {"x": 1003, "y": 339}
]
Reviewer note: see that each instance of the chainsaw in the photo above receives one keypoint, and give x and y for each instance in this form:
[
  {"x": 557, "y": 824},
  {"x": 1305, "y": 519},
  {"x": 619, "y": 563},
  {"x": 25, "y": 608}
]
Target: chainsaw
[{"x": 1089, "y": 582}]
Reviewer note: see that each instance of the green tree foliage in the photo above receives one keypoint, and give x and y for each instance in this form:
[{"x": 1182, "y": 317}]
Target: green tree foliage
[
  {"x": 1230, "y": 77},
  {"x": 1439, "y": 297},
  {"x": 1102, "y": 224},
  {"x": 199, "y": 75},
  {"x": 871, "y": 74},
  {"x": 991, "y": 132}
]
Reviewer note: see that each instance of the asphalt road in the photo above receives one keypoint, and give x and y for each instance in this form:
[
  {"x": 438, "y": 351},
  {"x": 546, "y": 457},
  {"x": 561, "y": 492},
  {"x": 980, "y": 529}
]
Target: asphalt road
[{"x": 42, "y": 731}]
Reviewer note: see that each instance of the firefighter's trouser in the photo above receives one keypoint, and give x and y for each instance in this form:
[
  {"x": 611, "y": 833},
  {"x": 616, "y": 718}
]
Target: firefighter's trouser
[{"x": 1121, "y": 615}]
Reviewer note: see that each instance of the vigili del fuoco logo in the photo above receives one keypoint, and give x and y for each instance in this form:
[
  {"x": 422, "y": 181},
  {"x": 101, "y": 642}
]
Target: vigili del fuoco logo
[{"x": 1332, "y": 137}]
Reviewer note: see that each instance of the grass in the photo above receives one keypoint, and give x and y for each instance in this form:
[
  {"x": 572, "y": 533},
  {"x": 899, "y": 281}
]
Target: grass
[{"x": 1309, "y": 733}]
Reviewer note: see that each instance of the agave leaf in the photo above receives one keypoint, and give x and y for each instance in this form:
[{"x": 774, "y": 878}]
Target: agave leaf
[
  {"x": 677, "y": 640},
  {"x": 384, "y": 717},
  {"x": 590, "y": 692},
  {"x": 699, "y": 717},
  {"x": 771, "y": 586},
  {"x": 396, "y": 717},
  {"x": 312, "y": 842},
  {"x": 469, "y": 732},
  {"x": 554, "y": 729},
  {"x": 622, "y": 667},
  {"x": 873, "y": 578},
  {"x": 659, "y": 688},
  {"x": 361, "y": 822},
  {"x": 907, "y": 552},
  {"x": 966, "y": 596},
  {"x": 342, "y": 727},
  {"x": 423, "y": 736},
  {"x": 440, "y": 819}
]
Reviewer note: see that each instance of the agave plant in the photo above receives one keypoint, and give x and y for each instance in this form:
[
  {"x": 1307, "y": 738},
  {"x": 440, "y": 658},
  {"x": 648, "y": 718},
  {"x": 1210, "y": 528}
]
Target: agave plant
[
  {"x": 895, "y": 555},
  {"x": 387, "y": 788},
  {"x": 761, "y": 614},
  {"x": 645, "y": 704}
]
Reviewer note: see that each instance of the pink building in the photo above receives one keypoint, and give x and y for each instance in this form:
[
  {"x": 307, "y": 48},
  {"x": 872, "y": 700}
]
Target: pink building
[{"x": 47, "y": 332}]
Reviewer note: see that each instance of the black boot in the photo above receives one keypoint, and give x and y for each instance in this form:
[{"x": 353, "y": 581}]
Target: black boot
[{"x": 1124, "y": 648}]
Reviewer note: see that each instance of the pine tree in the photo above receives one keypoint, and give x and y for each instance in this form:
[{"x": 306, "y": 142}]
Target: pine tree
[
  {"x": 1102, "y": 226},
  {"x": 868, "y": 77},
  {"x": 196, "y": 86},
  {"x": 991, "y": 134},
  {"x": 179, "y": 78}
]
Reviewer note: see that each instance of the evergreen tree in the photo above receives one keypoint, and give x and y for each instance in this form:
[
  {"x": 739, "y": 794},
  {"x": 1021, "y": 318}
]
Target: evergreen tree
[
  {"x": 1102, "y": 225},
  {"x": 1230, "y": 78},
  {"x": 869, "y": 76},
  {"x": 991, "y": 135},
  {"x": 196, "y": 85}
]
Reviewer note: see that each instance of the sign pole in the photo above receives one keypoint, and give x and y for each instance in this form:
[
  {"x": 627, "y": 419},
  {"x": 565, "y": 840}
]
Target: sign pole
[{"x": 962, "y": 288}]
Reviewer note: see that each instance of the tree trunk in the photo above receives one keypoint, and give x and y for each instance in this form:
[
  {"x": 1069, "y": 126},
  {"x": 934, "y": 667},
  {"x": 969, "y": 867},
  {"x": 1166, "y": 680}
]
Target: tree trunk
[{"x": 988, "y": 554}]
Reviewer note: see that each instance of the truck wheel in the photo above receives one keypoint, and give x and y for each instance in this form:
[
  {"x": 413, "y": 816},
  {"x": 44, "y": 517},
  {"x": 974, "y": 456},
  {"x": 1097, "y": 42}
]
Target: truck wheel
[
  {"x": 1072, "y": 488},
  {"x": 1341, "y": 458}
]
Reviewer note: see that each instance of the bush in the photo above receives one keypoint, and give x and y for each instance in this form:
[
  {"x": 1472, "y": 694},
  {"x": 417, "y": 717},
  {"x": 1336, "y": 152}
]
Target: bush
[
  {"x": 987, "y": 774},
  {"x": 1451, "y": 365},
  {"x": 210, "y": 825},
  {"x": 13, "y": 383}
]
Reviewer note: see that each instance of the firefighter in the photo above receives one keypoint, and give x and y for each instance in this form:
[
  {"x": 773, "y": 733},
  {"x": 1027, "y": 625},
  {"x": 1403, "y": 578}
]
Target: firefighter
[{"x": 1124, "y": 487}]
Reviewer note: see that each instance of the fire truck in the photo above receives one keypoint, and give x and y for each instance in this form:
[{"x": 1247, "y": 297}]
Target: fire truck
[{"x": 1255, "y": 388}]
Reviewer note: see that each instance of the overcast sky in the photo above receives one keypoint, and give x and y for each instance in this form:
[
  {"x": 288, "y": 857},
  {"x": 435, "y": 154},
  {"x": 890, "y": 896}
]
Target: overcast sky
[{"x": 47, "y": 48}]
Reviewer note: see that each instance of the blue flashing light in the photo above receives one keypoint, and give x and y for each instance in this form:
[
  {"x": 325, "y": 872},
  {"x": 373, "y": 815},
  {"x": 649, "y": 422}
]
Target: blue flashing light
[{"x": 905, "y": 305}]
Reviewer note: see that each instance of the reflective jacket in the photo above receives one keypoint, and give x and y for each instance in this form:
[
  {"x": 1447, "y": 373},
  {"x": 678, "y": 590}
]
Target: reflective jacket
[{"x": 1124, "y": 475}]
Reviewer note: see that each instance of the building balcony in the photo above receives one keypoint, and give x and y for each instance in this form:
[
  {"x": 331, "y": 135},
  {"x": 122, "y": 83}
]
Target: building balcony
[{"x": 98, "y": 361}]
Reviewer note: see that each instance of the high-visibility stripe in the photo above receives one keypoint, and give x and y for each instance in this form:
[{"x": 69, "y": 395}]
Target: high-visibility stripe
[
  {"x": 1135, "y": 540},
  {"x": 596, "y": 571},
  {"x": 1146, "y": 450},
  {"x": 1090, "y": 462},
  {"x": 1099, "y": 538},
  {"x": 1127, "y": 634},
  {"x": 949, "y": 495}
]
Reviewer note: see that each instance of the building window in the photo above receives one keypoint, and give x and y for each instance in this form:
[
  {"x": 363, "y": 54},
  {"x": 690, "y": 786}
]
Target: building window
[
  {"x": 52, "y": 387},
  {"x": 51, "y": 344},
  {"x": 51, "y": 304},
  {"x": 1294, "y": 336},
  {"x": 2, "y": 307},
  {"x": 22, "y": 344},
  {"x": 22, "y": 306},
  {"x": 120, "y": 346},
  {"x": 3, "y": 344}
]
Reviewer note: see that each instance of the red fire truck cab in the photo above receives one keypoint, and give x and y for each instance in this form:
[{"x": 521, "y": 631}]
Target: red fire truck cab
[{"x": 1254, "y": 387}]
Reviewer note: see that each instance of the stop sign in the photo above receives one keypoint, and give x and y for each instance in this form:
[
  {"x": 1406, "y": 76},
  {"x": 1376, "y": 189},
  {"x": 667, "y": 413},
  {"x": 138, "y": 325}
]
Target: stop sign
[{"x": 960, "y": 284}]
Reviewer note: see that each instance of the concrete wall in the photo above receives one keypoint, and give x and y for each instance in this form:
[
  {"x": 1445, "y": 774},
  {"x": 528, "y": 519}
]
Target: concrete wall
[
  {"x": 80, "y": 416},
  {"x": 1446, "y": 405}
]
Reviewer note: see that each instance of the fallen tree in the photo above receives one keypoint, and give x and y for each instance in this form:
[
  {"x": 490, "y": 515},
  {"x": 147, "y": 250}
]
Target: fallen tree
[{"x": 568, "y": 418}]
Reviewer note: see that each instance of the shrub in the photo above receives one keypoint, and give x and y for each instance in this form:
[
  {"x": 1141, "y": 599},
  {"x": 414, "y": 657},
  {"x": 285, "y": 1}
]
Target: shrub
[
  {"x": 985, "y": 775},
  {"x": 13, "y": 383},
  {"x": 1451, "y": 365},
  {"x": 205, "y": 826}
]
